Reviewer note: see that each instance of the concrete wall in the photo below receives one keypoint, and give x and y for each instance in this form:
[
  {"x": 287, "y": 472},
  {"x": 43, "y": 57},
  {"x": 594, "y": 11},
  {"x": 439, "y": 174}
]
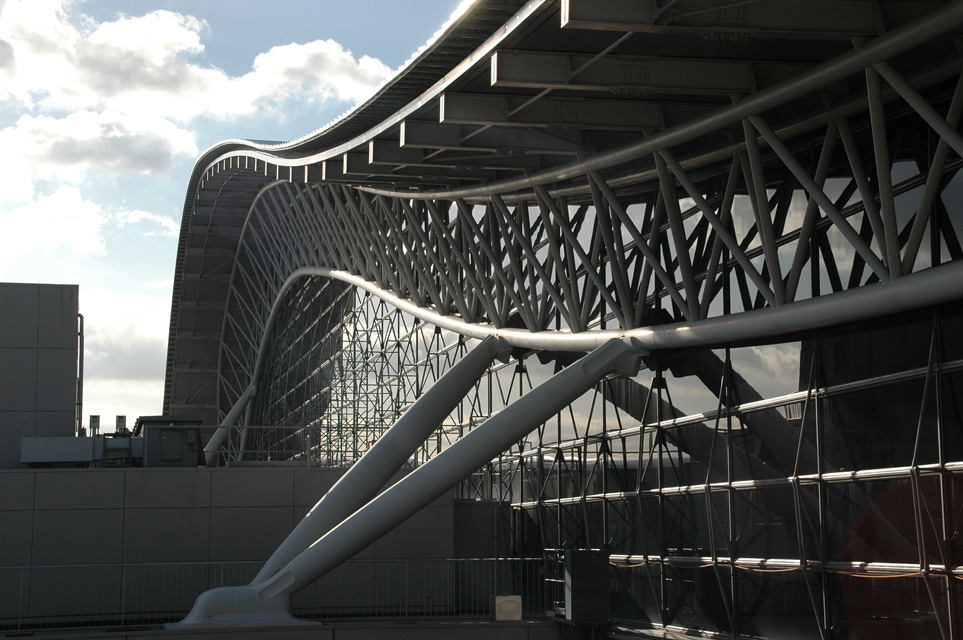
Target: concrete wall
[
  {"x": 38, "y": 364},
  {"x": 483, "y": 529},
  {"x": 544, "y": 629},
  {"x": 101, "y": 516},
  {"x": 117, "y": 522}
]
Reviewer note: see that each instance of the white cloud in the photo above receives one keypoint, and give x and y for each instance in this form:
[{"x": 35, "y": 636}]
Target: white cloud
[
  {"x": 110, "y": 397},
  {"x": 164, "y": 285},
  {"x": 168, "y": 227},
  {"x": 108, "y": 100},
  {"x": 70, "y": 147},
  {"x": 157, "y": 37},
  {"x": 61, "y": 221},
  {"x": 126, "y": 332},
  {"x": 66, "y": 223},
  {"x": 120, "y": 96},
  {"x": 152, "y": 65},
  {"x": 316, "y": 71},
  {"x": 62, "y": 61},
  {"x": 125, "y": 351}
]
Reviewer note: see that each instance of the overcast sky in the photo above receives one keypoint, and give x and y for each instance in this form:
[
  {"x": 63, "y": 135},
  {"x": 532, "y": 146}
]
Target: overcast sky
[{"x": 105, "y": 105}]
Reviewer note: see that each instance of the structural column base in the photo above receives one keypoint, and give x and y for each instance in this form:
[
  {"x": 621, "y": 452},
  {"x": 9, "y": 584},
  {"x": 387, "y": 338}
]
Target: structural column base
[{"x": 239, "y": 606}]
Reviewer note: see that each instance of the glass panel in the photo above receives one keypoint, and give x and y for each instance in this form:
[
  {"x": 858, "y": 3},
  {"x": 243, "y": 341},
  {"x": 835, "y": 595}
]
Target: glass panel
[
  {"x": 622, "y": 471},
  {"x": 721, "y": 536},
  {"x": 951, "y": 332},
  {"x": 875, "y": 348},
  {"x": 887, "y": 607},
  {"x": 810, "y": 521},
  {"x": 951, "y": 415},
  {"x": 632, "y": 397},
  {"x": 571, "y": 473},
  {"x": 956, "y": 603},
  {"x": 873, "y": 522},
  {"x": 572, "y": 527},
  {"x": 767, "y": 371},
  {"x": 528, "y": 540},
  {"x": 779, "y": 605},
  {"x": 649, "y": 526},
  {"x": 595, "y": 525},
  {"x": 694, "y": 598},
  {"x": 765, "y": 523},
  {"x": 876, "y": 427},
  {"x": 635, "y": 592},
  {"x": 548, "y": 526},
  {"x": 773, "y": 436},
  {"x": 686, "y": 525},
  {"x": 673, "y": 466},
  {"x": 624, "y": 537},
  {"x": 750, "y": 460},
  {"x": 691, "y": 387},
  {"x": 954, "y": 533}
]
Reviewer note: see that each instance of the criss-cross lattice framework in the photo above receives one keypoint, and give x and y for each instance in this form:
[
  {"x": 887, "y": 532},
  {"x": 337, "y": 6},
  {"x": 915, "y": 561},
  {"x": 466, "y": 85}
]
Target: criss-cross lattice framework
[{"x": 756, "y": 232}]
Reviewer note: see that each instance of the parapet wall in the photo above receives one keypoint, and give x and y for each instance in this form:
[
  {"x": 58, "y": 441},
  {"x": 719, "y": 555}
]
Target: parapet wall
[{"x": 103, "y": 516}]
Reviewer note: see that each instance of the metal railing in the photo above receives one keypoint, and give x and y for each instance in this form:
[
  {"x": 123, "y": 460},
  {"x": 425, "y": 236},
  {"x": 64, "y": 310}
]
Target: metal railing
[{"x": 150, "y": 594}]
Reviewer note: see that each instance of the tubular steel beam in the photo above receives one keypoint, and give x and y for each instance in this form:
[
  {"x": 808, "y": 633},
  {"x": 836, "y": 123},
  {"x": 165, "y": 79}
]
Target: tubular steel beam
[
  {"x": 369, "y": 474},
  {"x": 929, "y": 287}
]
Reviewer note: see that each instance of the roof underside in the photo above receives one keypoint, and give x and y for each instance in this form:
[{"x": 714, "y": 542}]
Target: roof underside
[
  {"x": 514, "y": 90},
  {"x": 498, "y": 96}
]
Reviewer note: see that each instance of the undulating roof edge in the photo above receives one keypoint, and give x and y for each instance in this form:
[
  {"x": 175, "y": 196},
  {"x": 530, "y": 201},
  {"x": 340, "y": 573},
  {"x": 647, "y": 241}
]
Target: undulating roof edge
[{"x": 457, "y": 37}]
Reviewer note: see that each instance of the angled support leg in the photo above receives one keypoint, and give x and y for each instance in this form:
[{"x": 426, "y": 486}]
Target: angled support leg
[
  {"x": 269, "y": 601},
  {"x": 369, "y": 474}
]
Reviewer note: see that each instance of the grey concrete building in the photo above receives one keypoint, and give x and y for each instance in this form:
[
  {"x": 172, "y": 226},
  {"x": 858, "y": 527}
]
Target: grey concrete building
[{"x": 38, "y": 364}]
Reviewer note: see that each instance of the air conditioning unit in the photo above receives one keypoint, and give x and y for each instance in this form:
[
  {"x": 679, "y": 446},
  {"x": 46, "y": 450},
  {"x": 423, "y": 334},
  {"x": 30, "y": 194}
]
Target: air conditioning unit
[{"x": 586, "y": 585}]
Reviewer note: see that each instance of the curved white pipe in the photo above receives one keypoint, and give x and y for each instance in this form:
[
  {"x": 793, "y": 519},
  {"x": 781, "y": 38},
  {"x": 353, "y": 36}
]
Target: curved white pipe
[{"x": 924, "y": 288}]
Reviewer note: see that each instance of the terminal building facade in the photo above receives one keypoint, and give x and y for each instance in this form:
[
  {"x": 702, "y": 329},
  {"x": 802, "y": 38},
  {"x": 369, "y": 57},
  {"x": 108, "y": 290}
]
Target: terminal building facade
[
  {"x": 761, "y": 199},
  {"x": 755, "y": 206}
]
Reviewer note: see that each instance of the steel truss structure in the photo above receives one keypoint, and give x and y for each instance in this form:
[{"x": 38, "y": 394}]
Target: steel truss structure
[{"x": 762, "y": 197}]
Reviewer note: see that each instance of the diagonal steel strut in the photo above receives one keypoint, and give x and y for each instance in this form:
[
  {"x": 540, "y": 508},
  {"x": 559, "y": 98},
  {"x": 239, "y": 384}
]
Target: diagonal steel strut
[
  {"x": 369, "y": 474},
  {"x": 269, "y": 601}
]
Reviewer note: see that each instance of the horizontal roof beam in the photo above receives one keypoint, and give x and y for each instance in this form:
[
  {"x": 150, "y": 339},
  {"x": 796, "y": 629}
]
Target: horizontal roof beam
[
  {"x": 575, "y": 113},
  {"x": 357, "y": 164},
  {"x": 636, "y": 75},
  {"x": 389, "y": 152},
  {"x": 431, "y": 135},
  {"x": 827, "y": 18}
]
